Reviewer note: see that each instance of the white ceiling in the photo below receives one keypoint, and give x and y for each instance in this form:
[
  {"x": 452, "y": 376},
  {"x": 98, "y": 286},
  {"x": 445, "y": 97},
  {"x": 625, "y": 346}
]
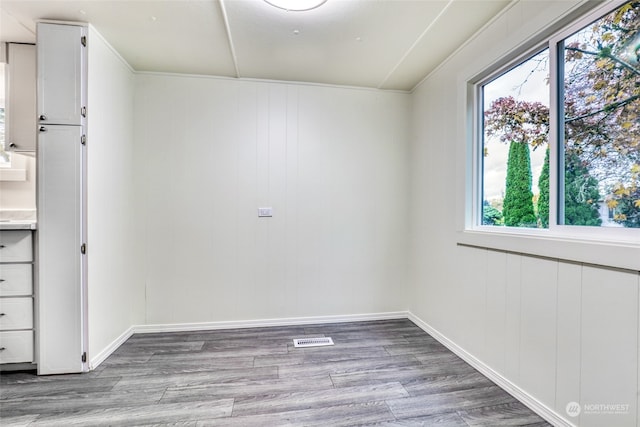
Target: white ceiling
[{"x": 387, "y": 44}]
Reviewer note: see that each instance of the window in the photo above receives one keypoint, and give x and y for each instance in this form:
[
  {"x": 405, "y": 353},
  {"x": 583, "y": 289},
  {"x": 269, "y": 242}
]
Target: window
[{"x": 559, "y": 132}]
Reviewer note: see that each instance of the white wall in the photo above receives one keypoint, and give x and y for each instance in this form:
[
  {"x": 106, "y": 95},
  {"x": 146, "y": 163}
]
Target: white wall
[
  {"x": 115, "y": 287},
  {"x": 20, "y": 195},
  {"x": 332, "y": 162},
  {"x": 558, "y": 331}
]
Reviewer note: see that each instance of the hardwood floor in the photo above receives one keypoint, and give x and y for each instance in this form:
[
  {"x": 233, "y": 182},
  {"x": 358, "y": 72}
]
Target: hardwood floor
[{"x": 384, "y": 373}]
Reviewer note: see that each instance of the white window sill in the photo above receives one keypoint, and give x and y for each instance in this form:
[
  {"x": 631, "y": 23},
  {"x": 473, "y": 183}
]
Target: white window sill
[{"x": 543, "y": 243}]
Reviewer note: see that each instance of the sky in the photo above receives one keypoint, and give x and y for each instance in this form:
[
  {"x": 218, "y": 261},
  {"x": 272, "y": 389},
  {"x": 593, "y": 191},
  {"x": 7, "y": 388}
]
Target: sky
[{"x": 535, "y": 88}]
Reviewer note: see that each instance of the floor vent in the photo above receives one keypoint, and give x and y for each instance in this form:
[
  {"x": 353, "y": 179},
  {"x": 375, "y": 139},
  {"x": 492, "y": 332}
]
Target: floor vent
[{"x": 312, "y": 342}]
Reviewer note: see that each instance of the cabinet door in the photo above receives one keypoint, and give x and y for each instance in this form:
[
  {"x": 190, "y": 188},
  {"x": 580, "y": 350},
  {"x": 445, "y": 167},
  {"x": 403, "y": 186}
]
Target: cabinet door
[
  {"x": 16, "y": 246},
  {"x": 61, "y": 63},
  {"x": 16, "y": 346},
  {"x": 20, "y": 114},
  {"x": 59, "y": 267}
]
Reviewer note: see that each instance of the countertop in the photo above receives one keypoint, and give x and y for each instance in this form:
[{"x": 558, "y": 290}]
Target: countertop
[{"x": 17, "y": 224}]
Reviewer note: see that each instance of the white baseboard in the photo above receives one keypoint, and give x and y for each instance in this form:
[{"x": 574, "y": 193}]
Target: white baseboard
[
  {"x": 531, "y": 402},
  {"x": 263, "y": 323},
  {"x": 94, "y": 362}
]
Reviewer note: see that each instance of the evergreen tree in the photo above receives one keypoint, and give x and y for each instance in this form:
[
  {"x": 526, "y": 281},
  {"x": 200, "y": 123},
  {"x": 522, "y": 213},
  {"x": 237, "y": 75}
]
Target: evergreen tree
[
  {"x": 581, "y": 194},
  {"x": 518, "y": 199},
  {"x": 490, "y": 215},
  {"x": 543, "y": 185}
]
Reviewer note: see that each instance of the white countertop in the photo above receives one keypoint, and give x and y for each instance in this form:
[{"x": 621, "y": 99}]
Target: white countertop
[{"x": 18, "y": 224}]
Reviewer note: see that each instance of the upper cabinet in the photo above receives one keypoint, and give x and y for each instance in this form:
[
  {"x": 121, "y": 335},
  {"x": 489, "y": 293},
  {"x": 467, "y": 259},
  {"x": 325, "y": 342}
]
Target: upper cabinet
[
  {"x": 60, "y": 70},
  {"x": 20, "y": 118}
]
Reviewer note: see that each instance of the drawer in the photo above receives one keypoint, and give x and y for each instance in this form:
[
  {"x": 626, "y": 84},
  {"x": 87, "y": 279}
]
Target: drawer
[
  {"x": 16, "y": 347},
  {"x": 16, "y": 246},
  {"x": 16, "y": 313},
  {"x": 16, "y": 280}
]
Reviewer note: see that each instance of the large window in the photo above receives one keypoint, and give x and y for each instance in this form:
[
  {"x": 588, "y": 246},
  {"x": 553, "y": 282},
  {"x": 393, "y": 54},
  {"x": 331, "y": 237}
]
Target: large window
[{"x": 560, "y": 131}]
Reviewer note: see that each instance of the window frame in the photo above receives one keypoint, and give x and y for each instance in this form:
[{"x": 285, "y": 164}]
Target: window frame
[{"x": 608, "y": 246}]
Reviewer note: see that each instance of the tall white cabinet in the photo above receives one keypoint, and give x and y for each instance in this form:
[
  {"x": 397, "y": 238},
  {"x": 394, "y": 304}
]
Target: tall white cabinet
[{"x": 61, "y": 198}]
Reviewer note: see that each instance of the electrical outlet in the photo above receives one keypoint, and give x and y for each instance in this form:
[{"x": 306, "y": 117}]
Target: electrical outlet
[{"x": 265, "y": 212}]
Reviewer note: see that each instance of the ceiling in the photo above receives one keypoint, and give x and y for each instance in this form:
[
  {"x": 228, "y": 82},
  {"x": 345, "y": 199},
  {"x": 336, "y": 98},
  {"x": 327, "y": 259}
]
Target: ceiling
[{"x": 386, "y": 44}]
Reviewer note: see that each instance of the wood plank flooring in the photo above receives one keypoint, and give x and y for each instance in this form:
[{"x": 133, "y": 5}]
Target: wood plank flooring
[{"x": 383, "y": 373}]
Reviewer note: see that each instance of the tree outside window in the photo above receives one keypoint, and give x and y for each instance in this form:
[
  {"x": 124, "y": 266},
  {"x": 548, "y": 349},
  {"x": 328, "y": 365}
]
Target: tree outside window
[{"x": 599, "y": 131}]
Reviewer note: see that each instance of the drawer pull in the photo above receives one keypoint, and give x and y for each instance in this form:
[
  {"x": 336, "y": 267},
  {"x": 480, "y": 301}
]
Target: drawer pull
[
  {"x": 2, "y": 280},
  {"x": 2, "y": 348},
  {"x": 2, "y": 314},
  {"x": 2, "y": 246}
]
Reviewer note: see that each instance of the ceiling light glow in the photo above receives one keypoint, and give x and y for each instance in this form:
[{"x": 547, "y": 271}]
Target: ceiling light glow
[{"x": 296, "y": 5}]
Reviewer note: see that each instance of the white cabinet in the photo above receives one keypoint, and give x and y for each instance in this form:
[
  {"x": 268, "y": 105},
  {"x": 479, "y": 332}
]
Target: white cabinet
[
  {"x": 16, "y": 346},
  {"x": 60, "y": 74},
  {"x": 60, "y": 263},
  {"x": 61, "y": 198},
  {"x": 20, "y": 115},
  {"x": 16, "y": 297}
]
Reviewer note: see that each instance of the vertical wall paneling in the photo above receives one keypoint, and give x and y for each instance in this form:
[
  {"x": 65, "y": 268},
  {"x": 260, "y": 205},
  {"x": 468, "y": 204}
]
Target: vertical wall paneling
[
  {"x": 290, "y": 207},
  {"x": 538, "y": 328},
  {"x": 115, "y": 282},
  {"x": 512, "y": 318},
  {"x": 568, "y": 337},
  {"x": 469, "y": 327},
  {"x": 330, "y": 161},
  {"x": 495, "y": 311},
  {"x": 276, "y": 197},
  {"x": 609, "y": 348},
  {"x": 246, "y": 222}
]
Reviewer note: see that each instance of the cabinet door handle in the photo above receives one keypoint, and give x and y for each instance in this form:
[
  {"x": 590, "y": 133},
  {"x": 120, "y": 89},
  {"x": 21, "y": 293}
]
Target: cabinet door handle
[
  {"x": 2, "y": 246},
  {"x": 2, "y": 314},
  {"x": 12, "y": 145},
  {"x": 43, "y": 129},
  {"x": 2, "y": 349},
  {"x": 2, "y": 280},
  {"x": 43, "y": 117}
]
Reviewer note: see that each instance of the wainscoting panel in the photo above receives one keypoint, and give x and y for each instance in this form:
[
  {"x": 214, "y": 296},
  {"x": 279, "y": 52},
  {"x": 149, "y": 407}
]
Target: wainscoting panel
[
  {"x": 568, "y": 342},
  {"x": 609, "y": 348},
  {"x": 538, "y": 328}
]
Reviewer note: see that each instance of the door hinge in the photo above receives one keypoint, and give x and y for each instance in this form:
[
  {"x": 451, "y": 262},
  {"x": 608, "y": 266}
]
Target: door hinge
[
  {"x": 83, "y": 139},
  {"x": 83, "y": 40},
  {"x": 84, "y": 357},
  {"x": 83, "y": 111},
  {"x": 83, "y": 249}
]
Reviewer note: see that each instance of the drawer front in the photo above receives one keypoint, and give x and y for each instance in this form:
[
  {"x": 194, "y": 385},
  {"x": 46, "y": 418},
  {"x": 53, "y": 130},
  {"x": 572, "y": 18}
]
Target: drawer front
[
  {"x": 16, "y": 246},
  {"x": 16, "y": 313},
  {"x": 16, "y": 347},
  {"x": 16, "y": 280}
]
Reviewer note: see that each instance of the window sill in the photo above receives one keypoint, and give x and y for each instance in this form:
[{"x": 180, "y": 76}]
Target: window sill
[{"x": 544, "y": 244}]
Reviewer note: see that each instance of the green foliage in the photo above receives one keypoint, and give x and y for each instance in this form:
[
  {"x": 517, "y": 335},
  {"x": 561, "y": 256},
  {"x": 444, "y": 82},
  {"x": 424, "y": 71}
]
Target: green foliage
[
  {"x": 602, "y": 110},
  {"x": 625, "y": 200},
  {"x": 491, "y": 215},
  {"x": 518, "y": 199},
  {"x": 581, "y": 194},
  {"x": 629, "y": 211},
  {"x": 543, "y": 185}
]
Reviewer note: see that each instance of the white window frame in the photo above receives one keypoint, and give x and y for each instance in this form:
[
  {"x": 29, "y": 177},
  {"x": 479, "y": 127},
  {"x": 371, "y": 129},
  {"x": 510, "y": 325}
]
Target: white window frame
[{"x": 608, "y": 246}]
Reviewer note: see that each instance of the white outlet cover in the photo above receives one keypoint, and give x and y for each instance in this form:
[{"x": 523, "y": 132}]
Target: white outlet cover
[{"x": 265, "y": 212}]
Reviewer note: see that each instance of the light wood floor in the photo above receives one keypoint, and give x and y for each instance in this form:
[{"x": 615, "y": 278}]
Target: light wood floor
[{"x": 385, "y": 373}]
